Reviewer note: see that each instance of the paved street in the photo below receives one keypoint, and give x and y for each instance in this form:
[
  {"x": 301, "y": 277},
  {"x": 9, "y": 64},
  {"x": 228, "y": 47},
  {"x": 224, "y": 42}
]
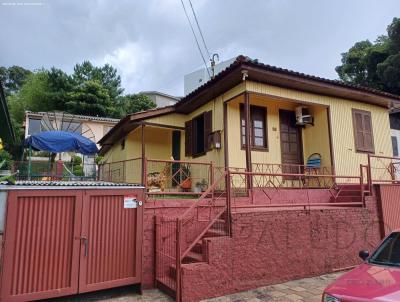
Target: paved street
[{"x": 308, "y": 290}]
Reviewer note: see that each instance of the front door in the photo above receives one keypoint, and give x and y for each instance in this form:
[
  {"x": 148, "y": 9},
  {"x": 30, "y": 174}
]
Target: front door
[{"x": 291, "y": 148}]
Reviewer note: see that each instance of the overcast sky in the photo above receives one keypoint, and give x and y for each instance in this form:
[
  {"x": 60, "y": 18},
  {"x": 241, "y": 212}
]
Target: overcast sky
[{"x": 151, "y": 45}]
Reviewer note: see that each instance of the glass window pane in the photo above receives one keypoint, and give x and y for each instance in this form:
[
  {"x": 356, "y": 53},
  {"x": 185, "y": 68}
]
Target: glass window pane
[
  {"x": 259, "y": 141},
  {"x": 395, "y": 146},
  {"x": 259, "y": 132},
  {"x": 258, "y": 124},
  {"x": 34, "y": 126}
]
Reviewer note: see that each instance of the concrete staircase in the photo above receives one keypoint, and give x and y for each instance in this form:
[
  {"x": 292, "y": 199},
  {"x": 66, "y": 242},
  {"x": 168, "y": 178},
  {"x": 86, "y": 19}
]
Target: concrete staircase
[
  {"x": 349, "y": 194},
  {"x": 198, "y": 254}
]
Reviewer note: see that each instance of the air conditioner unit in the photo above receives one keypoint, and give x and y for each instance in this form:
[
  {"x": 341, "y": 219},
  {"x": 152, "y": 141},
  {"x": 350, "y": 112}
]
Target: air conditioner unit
[{"x": 303, "y": 116}]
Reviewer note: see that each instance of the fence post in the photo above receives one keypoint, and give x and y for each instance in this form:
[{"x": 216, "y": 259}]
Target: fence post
[
  {"x": 362, "y": 184},
  {"x": 178, "y": 260},
  {"x": 144, "y": 171},
  {"x": 369, "y": 175},
  {"x": 211, "y": 178},
  {"x": 228, "y": 201}
]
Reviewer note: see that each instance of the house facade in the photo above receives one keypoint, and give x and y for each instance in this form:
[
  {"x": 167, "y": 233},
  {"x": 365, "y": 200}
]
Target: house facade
[
  {"x": 291, "y": 116},
  {"x": 252, "y": 176}
]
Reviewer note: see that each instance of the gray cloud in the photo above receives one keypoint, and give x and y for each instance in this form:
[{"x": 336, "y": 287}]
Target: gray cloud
[{"x": 151, "y": 44}]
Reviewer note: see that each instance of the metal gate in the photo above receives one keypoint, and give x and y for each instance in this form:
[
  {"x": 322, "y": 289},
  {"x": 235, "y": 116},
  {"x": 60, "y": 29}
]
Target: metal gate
[
  {"x": 63, "y": 242},
  {"x": 390, "y": 208}
]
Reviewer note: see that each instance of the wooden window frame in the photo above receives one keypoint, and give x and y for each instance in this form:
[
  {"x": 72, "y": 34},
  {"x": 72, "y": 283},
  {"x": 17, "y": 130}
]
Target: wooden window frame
[
  {"x": 357, "y": 148},
  {"x": 191, "y": 134},
  {"x": 252, "y": 136}
]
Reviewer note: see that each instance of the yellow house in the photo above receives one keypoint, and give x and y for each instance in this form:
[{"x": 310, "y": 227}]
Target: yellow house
[{"x": 292, "y": 120}]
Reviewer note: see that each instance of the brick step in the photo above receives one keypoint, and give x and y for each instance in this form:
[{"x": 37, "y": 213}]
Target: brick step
[
  {"x": 350, "y": 193},
  {"x": 215, "y": 233},
  {"x": 351, "y": 187},
  {"x": 199, "y": 247},
  {"x": 192, "y": 257},
  {"x": 348, "y": 199},
  {"x": 219, "y": 224},
  {"x": 167, "y": 285}
]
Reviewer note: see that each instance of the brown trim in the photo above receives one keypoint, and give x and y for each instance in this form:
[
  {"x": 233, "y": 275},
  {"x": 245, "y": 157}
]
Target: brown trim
[
  {"x": 320, "y": 88},
  {"x": 328, "y": 113},
  {"x": 143, "y": 154},
  {"x": 262, "y": 73},
  {"x": 225, "y": 116},
  {"x": 285, "y": 99},
  {"x": 236, "y": 96},
  {"x": 369, "y": 114},
  {"x": 162, "y": 126},
  {"x": 247, "y": 128},
  {"x": 115, "y": 136}
]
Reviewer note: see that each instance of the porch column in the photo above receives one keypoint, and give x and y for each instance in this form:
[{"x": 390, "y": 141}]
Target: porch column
[
  {"x": 144, "y": 163},
  {"x": 248, "y": 140}
]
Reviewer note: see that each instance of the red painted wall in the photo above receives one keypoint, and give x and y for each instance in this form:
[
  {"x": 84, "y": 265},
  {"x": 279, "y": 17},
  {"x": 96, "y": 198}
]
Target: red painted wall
[{"x": 275, "y": 246}]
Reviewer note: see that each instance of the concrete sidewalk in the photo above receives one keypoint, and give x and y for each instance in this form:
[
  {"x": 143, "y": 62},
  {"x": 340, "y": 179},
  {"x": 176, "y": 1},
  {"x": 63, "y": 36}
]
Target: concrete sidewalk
[{"x": 307, "y": 290}]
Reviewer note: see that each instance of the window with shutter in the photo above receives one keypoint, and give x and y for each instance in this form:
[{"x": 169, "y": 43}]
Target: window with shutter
[
  {"x": 207, "y": 129},
  {"x": 363, "y": 134},
  {"x": 197, "y": 133},
  {"x": 188, "y": 139}
]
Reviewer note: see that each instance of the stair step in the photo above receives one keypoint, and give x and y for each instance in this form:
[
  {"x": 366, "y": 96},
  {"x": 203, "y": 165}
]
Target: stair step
[
  {"x": 350, "y": 193},
  {"x": 198, "y": 248},
  {"x": 192, "y": 257},
  {"x": 172, "y": 271},
  {"x": 215, "y": 233},
  {"x": 167, "y": 285}
]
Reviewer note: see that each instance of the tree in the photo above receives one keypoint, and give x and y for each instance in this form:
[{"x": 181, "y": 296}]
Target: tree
[
  {"x": 91, "y": 98},
  {"x": 13, "y": 78},
  {"x": 132, "y": 103},
  {"x": 375, "y": 65},
  {"x": 106, "y": 75}
]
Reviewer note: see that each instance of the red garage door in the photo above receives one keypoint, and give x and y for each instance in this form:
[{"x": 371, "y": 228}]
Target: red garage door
[{"x": 62, "y": 242}]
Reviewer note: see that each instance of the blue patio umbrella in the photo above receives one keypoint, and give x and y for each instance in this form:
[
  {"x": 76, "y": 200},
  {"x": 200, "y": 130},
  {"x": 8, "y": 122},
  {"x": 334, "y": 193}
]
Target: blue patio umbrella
[{"x": 61, "y": 141}]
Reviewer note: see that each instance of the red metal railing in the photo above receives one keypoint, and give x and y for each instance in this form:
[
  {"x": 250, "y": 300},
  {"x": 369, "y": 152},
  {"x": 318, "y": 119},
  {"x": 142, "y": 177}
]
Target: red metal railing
[
  {"x": 265, "y": 191},
  {"x": 177, "y": 236},
  {"x": 126, "y": 171},
  {"x": 383, "y": 169},
  {"x": 165, "y": 177},
  {"x": 293, "y": 182}
]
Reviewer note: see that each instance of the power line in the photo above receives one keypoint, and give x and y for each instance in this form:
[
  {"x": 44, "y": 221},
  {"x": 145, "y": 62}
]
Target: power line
[
  {"x": 201, "y": 33},
  {"x": 195, "y": 37}
]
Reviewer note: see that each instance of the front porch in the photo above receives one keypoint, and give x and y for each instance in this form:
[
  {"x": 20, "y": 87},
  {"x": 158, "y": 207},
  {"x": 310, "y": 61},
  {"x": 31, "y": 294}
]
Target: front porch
[{"x": 269, "y": 185}]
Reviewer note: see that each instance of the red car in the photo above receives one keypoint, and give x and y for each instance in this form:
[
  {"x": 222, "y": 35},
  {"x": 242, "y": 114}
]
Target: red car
[{"x": 376, "y": 280}]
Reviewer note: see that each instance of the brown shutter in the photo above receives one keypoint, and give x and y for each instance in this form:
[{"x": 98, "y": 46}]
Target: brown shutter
[
  {"x": 363, "y": 135},
  {"x": 188, "y": 138},
  {"x": 368, "y": 135},
  {"x": 207, "y": 130}
]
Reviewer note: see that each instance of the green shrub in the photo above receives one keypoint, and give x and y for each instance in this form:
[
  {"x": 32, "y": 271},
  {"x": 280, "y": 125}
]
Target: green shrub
[{"x": 5, "y": 160}]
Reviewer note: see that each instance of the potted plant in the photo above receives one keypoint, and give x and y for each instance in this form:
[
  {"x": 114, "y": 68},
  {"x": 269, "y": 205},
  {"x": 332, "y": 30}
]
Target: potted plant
[
  {"x": 201, "y": 186},
  {"x": 186, "y": 182},
  {"x": 5, "y": 163}
]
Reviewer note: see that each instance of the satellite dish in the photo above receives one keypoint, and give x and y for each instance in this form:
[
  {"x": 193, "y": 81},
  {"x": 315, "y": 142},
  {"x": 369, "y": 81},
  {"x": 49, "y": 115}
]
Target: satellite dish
[{"x": 58, "y": 120}]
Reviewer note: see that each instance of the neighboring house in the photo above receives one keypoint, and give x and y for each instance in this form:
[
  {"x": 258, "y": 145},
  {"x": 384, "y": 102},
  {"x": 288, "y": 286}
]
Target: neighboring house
[
  {"x": 6, "y": 130},
  {"x": 198, "y": 77},
  {"x": 161, "y": 99},
  {"x": 341, "y": 122},
  {"x": 92, "y": 127}
]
